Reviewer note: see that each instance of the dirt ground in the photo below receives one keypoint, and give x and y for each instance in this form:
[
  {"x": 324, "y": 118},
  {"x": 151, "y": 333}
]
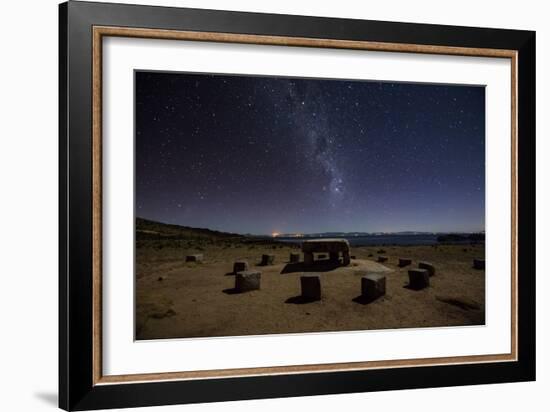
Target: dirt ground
[{"x": 175, "y": 299}]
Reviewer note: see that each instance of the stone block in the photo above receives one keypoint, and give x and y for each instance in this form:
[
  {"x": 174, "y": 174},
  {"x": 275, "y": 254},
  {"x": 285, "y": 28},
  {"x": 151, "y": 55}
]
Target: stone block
[
  {"x": 404, "y": 262},
  {"x": 325, "y": 245},
  {"x": 194, "y": 258},
  {"x": 240, "y": 266},
  {"x": 311, "y": 287},
  {"x": 428, "y": 266},
  {"x": 267, "y": 260},
  {"x": 373, "y": 286},
  {"x": 419, "y": 279},
  {"x": 247, "y": 281}
]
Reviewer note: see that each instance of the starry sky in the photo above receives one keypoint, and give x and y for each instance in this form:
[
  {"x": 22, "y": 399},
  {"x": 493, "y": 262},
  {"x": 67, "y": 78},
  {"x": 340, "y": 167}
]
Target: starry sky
[{"x": 256, "y": 154}]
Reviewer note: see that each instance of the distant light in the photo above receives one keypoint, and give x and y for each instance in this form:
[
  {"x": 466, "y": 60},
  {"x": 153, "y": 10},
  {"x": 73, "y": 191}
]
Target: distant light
[{"x": 275, "y": 234}]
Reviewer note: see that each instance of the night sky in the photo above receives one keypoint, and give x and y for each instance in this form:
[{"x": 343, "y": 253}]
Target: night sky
[{"x": 259, "y": 155}]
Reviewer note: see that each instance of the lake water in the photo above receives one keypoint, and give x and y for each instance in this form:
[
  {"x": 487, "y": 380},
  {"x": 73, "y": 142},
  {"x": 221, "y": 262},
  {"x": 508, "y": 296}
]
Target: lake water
[{"x": 423, "y": 239}]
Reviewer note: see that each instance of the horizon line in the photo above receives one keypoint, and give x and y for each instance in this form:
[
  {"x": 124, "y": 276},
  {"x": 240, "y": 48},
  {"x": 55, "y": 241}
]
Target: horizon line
[{"x": 293, "y": 234}]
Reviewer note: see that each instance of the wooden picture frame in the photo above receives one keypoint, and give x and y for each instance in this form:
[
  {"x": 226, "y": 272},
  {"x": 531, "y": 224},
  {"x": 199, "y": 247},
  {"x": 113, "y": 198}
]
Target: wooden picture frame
[{"x": 82, "y": 28}]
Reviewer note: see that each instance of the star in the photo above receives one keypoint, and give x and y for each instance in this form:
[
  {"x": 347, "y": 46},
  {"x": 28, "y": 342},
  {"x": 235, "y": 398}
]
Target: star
[{"x": 242, "y": 153}]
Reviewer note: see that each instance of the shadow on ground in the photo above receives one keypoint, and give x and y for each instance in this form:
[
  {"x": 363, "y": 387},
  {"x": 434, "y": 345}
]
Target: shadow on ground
[
  {"x": 317, "y": 266},
  {"x": 231, "y": 291},
  {"x": 300, "y": 300},
  {"x": 416, "y": 288},
  {"x": 363, "y": 300}
]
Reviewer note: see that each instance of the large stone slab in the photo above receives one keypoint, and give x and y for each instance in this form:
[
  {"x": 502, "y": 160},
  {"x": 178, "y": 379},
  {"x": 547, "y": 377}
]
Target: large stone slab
[
  {"x": 325, "y": 246},
  {"x": 311, "y": 287},
  {"x": 334, "y": 257},
  {"x": 247, "y": 281},
  {"x": 373, "y": 286}
]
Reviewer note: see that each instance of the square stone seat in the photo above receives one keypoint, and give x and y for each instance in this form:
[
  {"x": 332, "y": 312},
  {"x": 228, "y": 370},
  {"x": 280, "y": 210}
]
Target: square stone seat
[
  {"x": 373, "y": 286},
  {"x": 311, "y": 287},
  {"x": 247, "y": 280},
  {"x": 194, "y": 258},
  {"x": 404, "y": 262},
  {"x": 268, "y": 260},
  {"x": 428, "y": 266},
  {"x": 240, "y": 266},
  {"x": 419, "y": 279}
]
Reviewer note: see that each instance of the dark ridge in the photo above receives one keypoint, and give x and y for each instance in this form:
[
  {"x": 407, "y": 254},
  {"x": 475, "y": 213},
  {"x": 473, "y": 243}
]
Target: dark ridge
[
  {"x": 159, "y": 235},
  {"x": 456, "y": 237},
  {"x": 149, "y": 229}
]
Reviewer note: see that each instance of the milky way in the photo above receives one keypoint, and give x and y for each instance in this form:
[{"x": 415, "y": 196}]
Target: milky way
[{"x": 252, "y": 154}]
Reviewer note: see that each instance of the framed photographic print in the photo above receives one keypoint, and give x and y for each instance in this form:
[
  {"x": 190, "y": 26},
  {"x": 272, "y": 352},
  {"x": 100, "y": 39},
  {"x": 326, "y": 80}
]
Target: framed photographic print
[{"x": 257, "y": 205}]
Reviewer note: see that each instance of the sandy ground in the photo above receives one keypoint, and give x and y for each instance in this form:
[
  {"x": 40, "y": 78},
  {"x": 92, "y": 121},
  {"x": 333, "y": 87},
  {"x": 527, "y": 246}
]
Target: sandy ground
[{"x": 175, "y": 299}]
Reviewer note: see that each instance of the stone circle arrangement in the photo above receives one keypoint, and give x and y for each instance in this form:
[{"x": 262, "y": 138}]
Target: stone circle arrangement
[{"x": 373, "y": 285}]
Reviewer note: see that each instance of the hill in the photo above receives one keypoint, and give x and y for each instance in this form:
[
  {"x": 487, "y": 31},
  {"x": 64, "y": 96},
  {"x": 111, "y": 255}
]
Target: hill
[
  {"x": 149, "y": 229},
  {"x": 158, "y": 234}
]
